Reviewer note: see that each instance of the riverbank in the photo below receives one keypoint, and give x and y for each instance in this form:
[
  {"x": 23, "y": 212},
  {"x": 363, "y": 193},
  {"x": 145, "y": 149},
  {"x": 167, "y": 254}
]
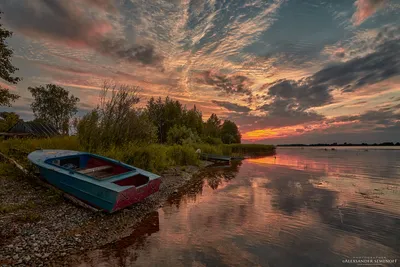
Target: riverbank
[{"x": 39, "y": 227}]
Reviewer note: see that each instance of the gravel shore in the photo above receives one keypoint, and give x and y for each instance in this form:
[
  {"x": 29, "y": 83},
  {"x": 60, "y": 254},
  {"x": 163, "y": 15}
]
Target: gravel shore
[{"x": 38, "y": 227}]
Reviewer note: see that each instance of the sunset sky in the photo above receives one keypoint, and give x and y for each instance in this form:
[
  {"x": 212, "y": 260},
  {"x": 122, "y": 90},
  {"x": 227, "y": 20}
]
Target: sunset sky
[{"x": 286, "y": 71}]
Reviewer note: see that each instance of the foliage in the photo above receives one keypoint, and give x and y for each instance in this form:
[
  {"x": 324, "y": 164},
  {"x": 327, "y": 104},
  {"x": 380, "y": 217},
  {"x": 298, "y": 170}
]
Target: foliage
[
  {"x": 250, "y": 149},
  {"x": 8, "y": 120},
  {"x": 182, "y": 155},
  {"x": 212, "y": 140},
  {"x": 54, "y": 105},
  {"x": 6, "y": 68},
  {"x": 212, "y": 127},
  {"x": 115, "y": 121},
  {"x": 6, "y": 97},
  {"x": 181, "y": 135},
  {"x": 169, "y": 113},
  {"x": 230, "y": 133}
]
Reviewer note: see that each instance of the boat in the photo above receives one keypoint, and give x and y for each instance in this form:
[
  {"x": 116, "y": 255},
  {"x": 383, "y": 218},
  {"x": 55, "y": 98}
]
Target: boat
[
  {"x": 101, "y": 182},
  {"x": 212, "y": 157}
]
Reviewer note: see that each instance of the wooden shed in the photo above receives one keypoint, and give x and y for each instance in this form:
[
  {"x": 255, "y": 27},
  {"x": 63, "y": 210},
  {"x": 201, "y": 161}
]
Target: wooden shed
[{"x": 31, "y": 129}]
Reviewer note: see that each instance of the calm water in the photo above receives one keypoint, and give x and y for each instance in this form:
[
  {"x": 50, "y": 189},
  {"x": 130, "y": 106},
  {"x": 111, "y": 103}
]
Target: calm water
[{"x": 306, "y": 207}]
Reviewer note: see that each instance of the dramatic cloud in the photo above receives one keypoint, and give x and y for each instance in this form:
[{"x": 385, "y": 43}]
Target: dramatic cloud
[
  {"x": 279, "y": 69},
  {"x": 108, "y": 5},
  {"x": 64, "y": 22},
  {"x": 234, "y": 84},
  {"x": 382, "y": 64},
  {"x": 231, "y": 106},
  {"x": 295, "y": 97},
  {"x": 366, "y": 8}
]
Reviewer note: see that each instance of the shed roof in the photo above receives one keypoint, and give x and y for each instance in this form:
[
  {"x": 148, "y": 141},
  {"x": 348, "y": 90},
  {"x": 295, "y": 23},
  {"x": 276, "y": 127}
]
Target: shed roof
[{"x": 35, "y": 128}]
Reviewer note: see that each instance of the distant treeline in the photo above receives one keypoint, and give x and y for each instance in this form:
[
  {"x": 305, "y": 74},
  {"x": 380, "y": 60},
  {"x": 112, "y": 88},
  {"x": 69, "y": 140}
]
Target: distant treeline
[{"x": 347, "y": 144}]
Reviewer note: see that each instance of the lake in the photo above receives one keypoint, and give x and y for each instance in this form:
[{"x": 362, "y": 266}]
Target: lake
[{"x": 306, "y": 207}]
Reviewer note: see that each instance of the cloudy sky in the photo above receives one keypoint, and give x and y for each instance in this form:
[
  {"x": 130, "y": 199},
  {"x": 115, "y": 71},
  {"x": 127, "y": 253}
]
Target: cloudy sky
[{"x": 286, "y": 71}]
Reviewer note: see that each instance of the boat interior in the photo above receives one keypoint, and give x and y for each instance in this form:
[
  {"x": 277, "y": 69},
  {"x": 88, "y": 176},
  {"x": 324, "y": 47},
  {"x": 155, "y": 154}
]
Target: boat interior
[{"x": 99, "y": 169}]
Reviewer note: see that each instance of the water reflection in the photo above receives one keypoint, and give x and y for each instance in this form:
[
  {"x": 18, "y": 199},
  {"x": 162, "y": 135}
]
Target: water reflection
[{"x": 304, "y": 208}]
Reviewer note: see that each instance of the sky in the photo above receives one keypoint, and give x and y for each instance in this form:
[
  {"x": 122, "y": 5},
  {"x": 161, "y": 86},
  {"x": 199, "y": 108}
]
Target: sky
[{"x": 286, "y": 71}]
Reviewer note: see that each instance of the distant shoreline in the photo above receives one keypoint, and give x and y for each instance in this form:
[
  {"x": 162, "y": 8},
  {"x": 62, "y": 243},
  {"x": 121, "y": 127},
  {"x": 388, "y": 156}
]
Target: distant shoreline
[{"x": 335, "y": 144}]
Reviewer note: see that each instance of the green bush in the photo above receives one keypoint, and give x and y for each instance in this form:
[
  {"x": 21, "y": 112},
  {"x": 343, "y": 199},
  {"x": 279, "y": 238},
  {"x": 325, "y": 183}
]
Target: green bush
[
  {"x": 182, "y": 155},
  {"x": 181, "y": 135},
  {"x": 212, "y": 140}
]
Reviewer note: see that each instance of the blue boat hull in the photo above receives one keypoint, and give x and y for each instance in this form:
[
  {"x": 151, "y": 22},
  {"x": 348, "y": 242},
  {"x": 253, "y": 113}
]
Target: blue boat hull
[{"x": 99, "y": 181}]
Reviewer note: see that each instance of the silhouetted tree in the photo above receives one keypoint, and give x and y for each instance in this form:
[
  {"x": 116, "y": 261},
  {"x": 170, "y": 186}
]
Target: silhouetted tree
[
  {"x": 212, "y": 127},
  {"x": 8, "y": 120},
  {"x": 230, "y": 133},
  {"x": 6, "y": 68},
  {"x": 54, "y": 105}
]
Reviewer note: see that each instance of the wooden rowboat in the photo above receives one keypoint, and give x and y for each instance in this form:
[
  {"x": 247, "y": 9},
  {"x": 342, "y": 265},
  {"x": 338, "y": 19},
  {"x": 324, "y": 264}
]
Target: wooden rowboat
[{"x": 99, "y": 181}]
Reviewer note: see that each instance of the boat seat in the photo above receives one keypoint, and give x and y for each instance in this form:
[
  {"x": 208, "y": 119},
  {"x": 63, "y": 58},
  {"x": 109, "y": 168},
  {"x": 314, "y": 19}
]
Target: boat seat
[{"x": 95, "y": 169}]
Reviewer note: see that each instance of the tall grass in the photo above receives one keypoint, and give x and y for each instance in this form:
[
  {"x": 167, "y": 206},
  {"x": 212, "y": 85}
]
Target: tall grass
[
  {"x": 153, "y": 157},
  {"x": 236, "y": 149}
]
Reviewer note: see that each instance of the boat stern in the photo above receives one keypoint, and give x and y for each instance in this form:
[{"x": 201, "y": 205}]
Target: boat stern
[{"x": 135, "y": 194}]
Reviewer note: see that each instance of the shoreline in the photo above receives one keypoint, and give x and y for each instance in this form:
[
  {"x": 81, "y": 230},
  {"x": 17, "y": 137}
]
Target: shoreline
[{"x": 39, "y": 227}]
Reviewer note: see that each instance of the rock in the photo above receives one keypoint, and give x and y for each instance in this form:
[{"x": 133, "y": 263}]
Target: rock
[
  {"x": 16, "y": 257},
  {"x": 27, "y": 258},
  {"x": 35, "y": 244},
  {"x": 176, "y": 191}
]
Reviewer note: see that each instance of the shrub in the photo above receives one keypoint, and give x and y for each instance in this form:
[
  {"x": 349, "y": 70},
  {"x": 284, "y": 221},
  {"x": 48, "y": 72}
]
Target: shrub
[
  {"x": 115, "y": 122},
  {"x": 181, "y": 135},
  {"x": 212, "y": 140},
  {"x": 182, "y": 155}
]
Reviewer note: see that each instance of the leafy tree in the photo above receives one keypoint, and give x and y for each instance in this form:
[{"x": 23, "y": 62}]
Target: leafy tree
[
  {"x": 8, "y": 120},
  {"x": 182, "y": 135},
  {"x": 165, "y": 115},
  {"x": 54, "y": 105},
  {"x": 6, "y": 68},
  {"x": 6, "y": 97},
  {"x": 212, "y": 127},
  {"x": 230, "y": 133},
  {"x": 156, "y": 113},
  {"x": 115, "y": 121},
  {"x": 193, "y": 120}
]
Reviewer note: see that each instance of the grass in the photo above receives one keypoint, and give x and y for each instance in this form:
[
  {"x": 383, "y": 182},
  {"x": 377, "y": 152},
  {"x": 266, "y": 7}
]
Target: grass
[
  {"x": 8, "y": 208},
  {"x": 153, "y": 157},
  {"x": 29, "y": 217},
  {"x": 237, "y": 149}
]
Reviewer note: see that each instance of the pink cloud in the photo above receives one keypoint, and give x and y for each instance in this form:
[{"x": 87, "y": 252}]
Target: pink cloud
[{"x": 365, "y": 9}]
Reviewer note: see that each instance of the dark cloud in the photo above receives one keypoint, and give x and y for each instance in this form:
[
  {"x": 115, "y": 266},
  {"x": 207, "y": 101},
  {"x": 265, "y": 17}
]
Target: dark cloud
[
  {"x": 288, "y": 98},
  {"x": 287, "y": 108},
  {"x": 62, "y": 22},
  {"x": 382, "y": 64},
  {"x": 365, "y": 9},
  {"x": 232, "y": 106},
  {"x": 229, "y": 84},
  {"x": 102, "y": 4}
]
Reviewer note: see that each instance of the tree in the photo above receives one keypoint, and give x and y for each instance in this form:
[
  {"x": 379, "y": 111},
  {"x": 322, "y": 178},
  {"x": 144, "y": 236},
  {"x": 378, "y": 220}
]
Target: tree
[
  {"x": 193, "y": 119},
  {"x": 54, "y": 105},
  {"x": 181, "y": 135},
  {"x": 156, "y": 113},
  {"x": 6, "y": 68},
  {"x": 212, "y": 127},
  {"x": 8, "y": 120},
  {"x": 115, "y": 121},
  {"x": 165, "y": 115},
  {"x": 6, "y": 97},
  {"x": 230, "y": 133}
]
